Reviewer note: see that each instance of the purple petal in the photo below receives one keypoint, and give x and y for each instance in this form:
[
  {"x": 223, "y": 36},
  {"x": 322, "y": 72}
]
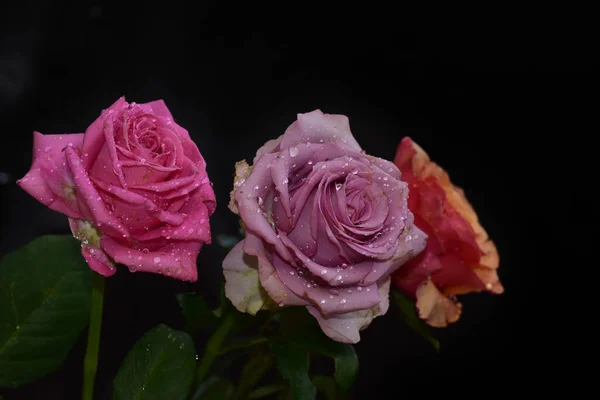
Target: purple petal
[
  {"x": 346, "y": 327},
  {"x": 268, "y": 276},
  {"x": 328, "y": 299},
  {"x": 316, "y": 127}
]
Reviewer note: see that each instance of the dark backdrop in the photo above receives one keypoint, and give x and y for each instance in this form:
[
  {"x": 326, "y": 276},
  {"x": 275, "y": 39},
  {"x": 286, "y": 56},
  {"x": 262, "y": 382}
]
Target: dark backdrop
[{"x": 477, "y": 97}]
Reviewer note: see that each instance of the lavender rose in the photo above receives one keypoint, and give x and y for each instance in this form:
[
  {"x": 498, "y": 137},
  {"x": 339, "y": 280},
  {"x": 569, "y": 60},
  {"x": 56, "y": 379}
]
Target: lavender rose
[{"x": 326, "y": 225}]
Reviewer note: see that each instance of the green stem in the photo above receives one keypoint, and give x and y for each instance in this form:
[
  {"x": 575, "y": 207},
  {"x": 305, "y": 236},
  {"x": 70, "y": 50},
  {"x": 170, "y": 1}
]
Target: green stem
[
  {"x": 90, "y": 363},
  {"x": 213, "y": 347}
]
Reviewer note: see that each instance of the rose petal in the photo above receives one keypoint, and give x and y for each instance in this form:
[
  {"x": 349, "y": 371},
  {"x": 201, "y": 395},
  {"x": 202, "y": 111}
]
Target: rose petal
[
  {"x": 242, "y": 172},
  {"x": 160, "y": 109},
  {"x": 334, "y": 276},
  {"x": 316, "y": 127},
  {"x": 256, "y": 186},
  {"x": 242, "y": 285},
  {"x": 88, "y": 195},
  {"x": 411, "y": 275},
  {"x": 177, "y": 260},
  {"x": 195, "y": 227},
  {"x": 435, "y": 308},
  {"x": 346, "y": 327},
  {"x": 269, "y": 147},
  {"x": 411, "y": 243},
  {"x": 134, "y": 199},
  {"x": 268, "y": 276},
  {"x": 327, "y": 299},
  {"x": 49, "y": 180},
  {"x": 94, "y": 138},
  {"x": 97, "y": 260}
]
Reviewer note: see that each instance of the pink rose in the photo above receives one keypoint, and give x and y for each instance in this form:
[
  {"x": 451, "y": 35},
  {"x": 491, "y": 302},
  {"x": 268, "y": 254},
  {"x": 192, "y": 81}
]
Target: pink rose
[
  {"x": 326, "y": 225},
  {"x": 134, "y": 187}
]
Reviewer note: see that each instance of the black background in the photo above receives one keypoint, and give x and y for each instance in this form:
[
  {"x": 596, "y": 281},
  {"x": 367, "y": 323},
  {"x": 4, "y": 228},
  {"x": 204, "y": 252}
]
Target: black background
[{"x": 497, "y": 100}]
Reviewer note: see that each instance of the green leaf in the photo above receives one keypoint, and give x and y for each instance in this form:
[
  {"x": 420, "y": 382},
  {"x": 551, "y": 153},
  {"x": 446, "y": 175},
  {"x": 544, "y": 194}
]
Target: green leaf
[
  {"x": 409, "y": 315},
  {"x": 303, "y": 330},
  {"x": 44, "y": 307},
  {"x": 159, "y": 366},
  {"x": 214, "y": 388},
  {"x": 254, "y": 370},
  {"x": 198, "y": 316},
  {"x": 293, "y": 362},
  {"x": 328, "y": 386}
]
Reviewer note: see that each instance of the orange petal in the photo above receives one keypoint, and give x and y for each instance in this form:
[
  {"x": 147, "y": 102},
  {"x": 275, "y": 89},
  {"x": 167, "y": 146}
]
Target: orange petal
[
  {"x": 436, "y": 309},
  {"x": 424, "y": 168}
]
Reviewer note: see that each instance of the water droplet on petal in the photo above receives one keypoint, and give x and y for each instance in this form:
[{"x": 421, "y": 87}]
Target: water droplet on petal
[
  {"x": 338, "y": 277},
  {"x": 293, "y": 151},
  {"x": 156, "y": 260},
  {"x": 145, "y": 251},
  {"x": 354, "y": 171},
  {"x": 281, "y": 304},
  {"x": 343, "y": 301},
  {"x": 359, "y": 288},
  {"x": 338, "y": 186}
]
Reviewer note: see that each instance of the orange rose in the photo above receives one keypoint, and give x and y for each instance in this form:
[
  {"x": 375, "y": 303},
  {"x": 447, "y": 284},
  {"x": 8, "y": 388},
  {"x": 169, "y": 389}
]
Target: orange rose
[{"x": 459, "y": 257}]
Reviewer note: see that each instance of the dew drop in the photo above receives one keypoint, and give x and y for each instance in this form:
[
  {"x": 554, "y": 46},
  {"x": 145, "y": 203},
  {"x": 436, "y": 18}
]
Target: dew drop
[
  {"x": 323, "y": 272},
  {"x": 323, "y": 301},
  {"x": 338, "y": 186},
  {"x": 293, "y": 151},
  {"x": 354, "y": 171},
  {"x": 285, "y": 181},
  {"x": 343, "y": 301},
  {"x": 281, "y": 304},
  {"x": 145, "y": 251},
  {"x": 156, "y": 260},
  {"x": 338, "y": 277},
  {"x": 359, "y": 288},
  {"x": 310, "y": 163}
]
